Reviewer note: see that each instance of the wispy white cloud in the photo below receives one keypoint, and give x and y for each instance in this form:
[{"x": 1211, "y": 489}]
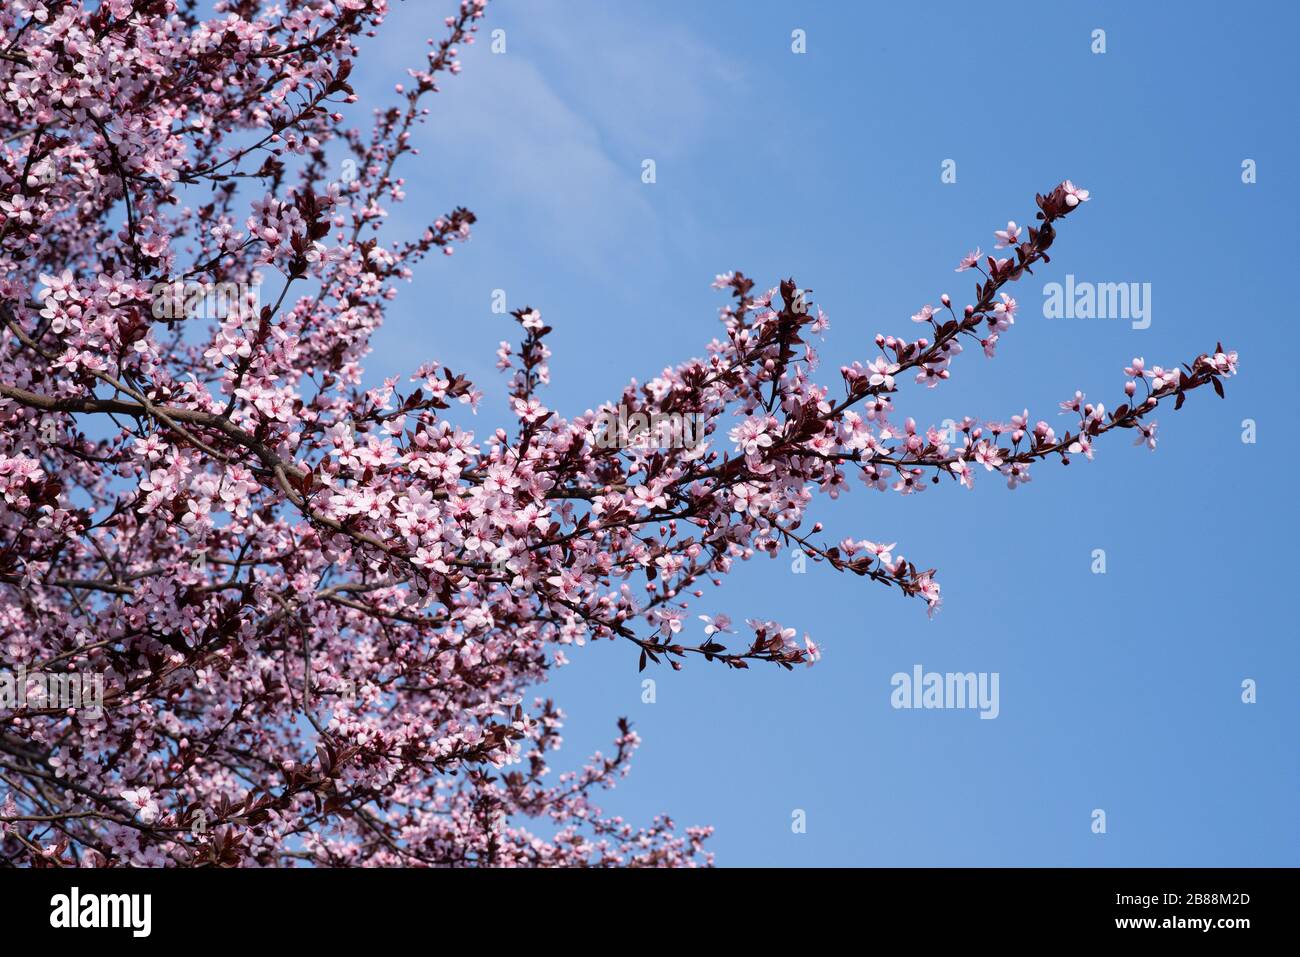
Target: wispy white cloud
[
  {"x": 646, "y": 82},
  {"x": 550, "y": 136}
]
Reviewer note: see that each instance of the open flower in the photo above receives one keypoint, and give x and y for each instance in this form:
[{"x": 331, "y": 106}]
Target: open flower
[
  {"x": 146, "y": 808},
  {"x": 1007, "y": 237},
  {"x": 1073, "y": 195}
]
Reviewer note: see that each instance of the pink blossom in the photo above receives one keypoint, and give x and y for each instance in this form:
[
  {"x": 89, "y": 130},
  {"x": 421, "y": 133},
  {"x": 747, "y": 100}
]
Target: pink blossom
[
  {"x": 1073, "y": 195},
  {"x": 718, "y": 624},
  {"x": 988, "y": 455},
  {"x": 146, "y": 807},
  {"x": 1007, "y": 237},
  {"x": 1017, "y": 473}
]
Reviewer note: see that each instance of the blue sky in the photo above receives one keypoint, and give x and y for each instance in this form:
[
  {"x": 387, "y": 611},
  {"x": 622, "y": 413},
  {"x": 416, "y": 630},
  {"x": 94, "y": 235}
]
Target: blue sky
[{"x": 1119, "y": 691}]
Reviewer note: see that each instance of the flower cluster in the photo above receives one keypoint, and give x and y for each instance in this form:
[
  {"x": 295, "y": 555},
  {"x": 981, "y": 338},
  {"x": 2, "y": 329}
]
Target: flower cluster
[{"x": 319, "y": 609}]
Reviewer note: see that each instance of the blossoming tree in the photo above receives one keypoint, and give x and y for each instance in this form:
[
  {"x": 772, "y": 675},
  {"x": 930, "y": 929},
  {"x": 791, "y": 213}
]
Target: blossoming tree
[{"x": 317, "y": 608}]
